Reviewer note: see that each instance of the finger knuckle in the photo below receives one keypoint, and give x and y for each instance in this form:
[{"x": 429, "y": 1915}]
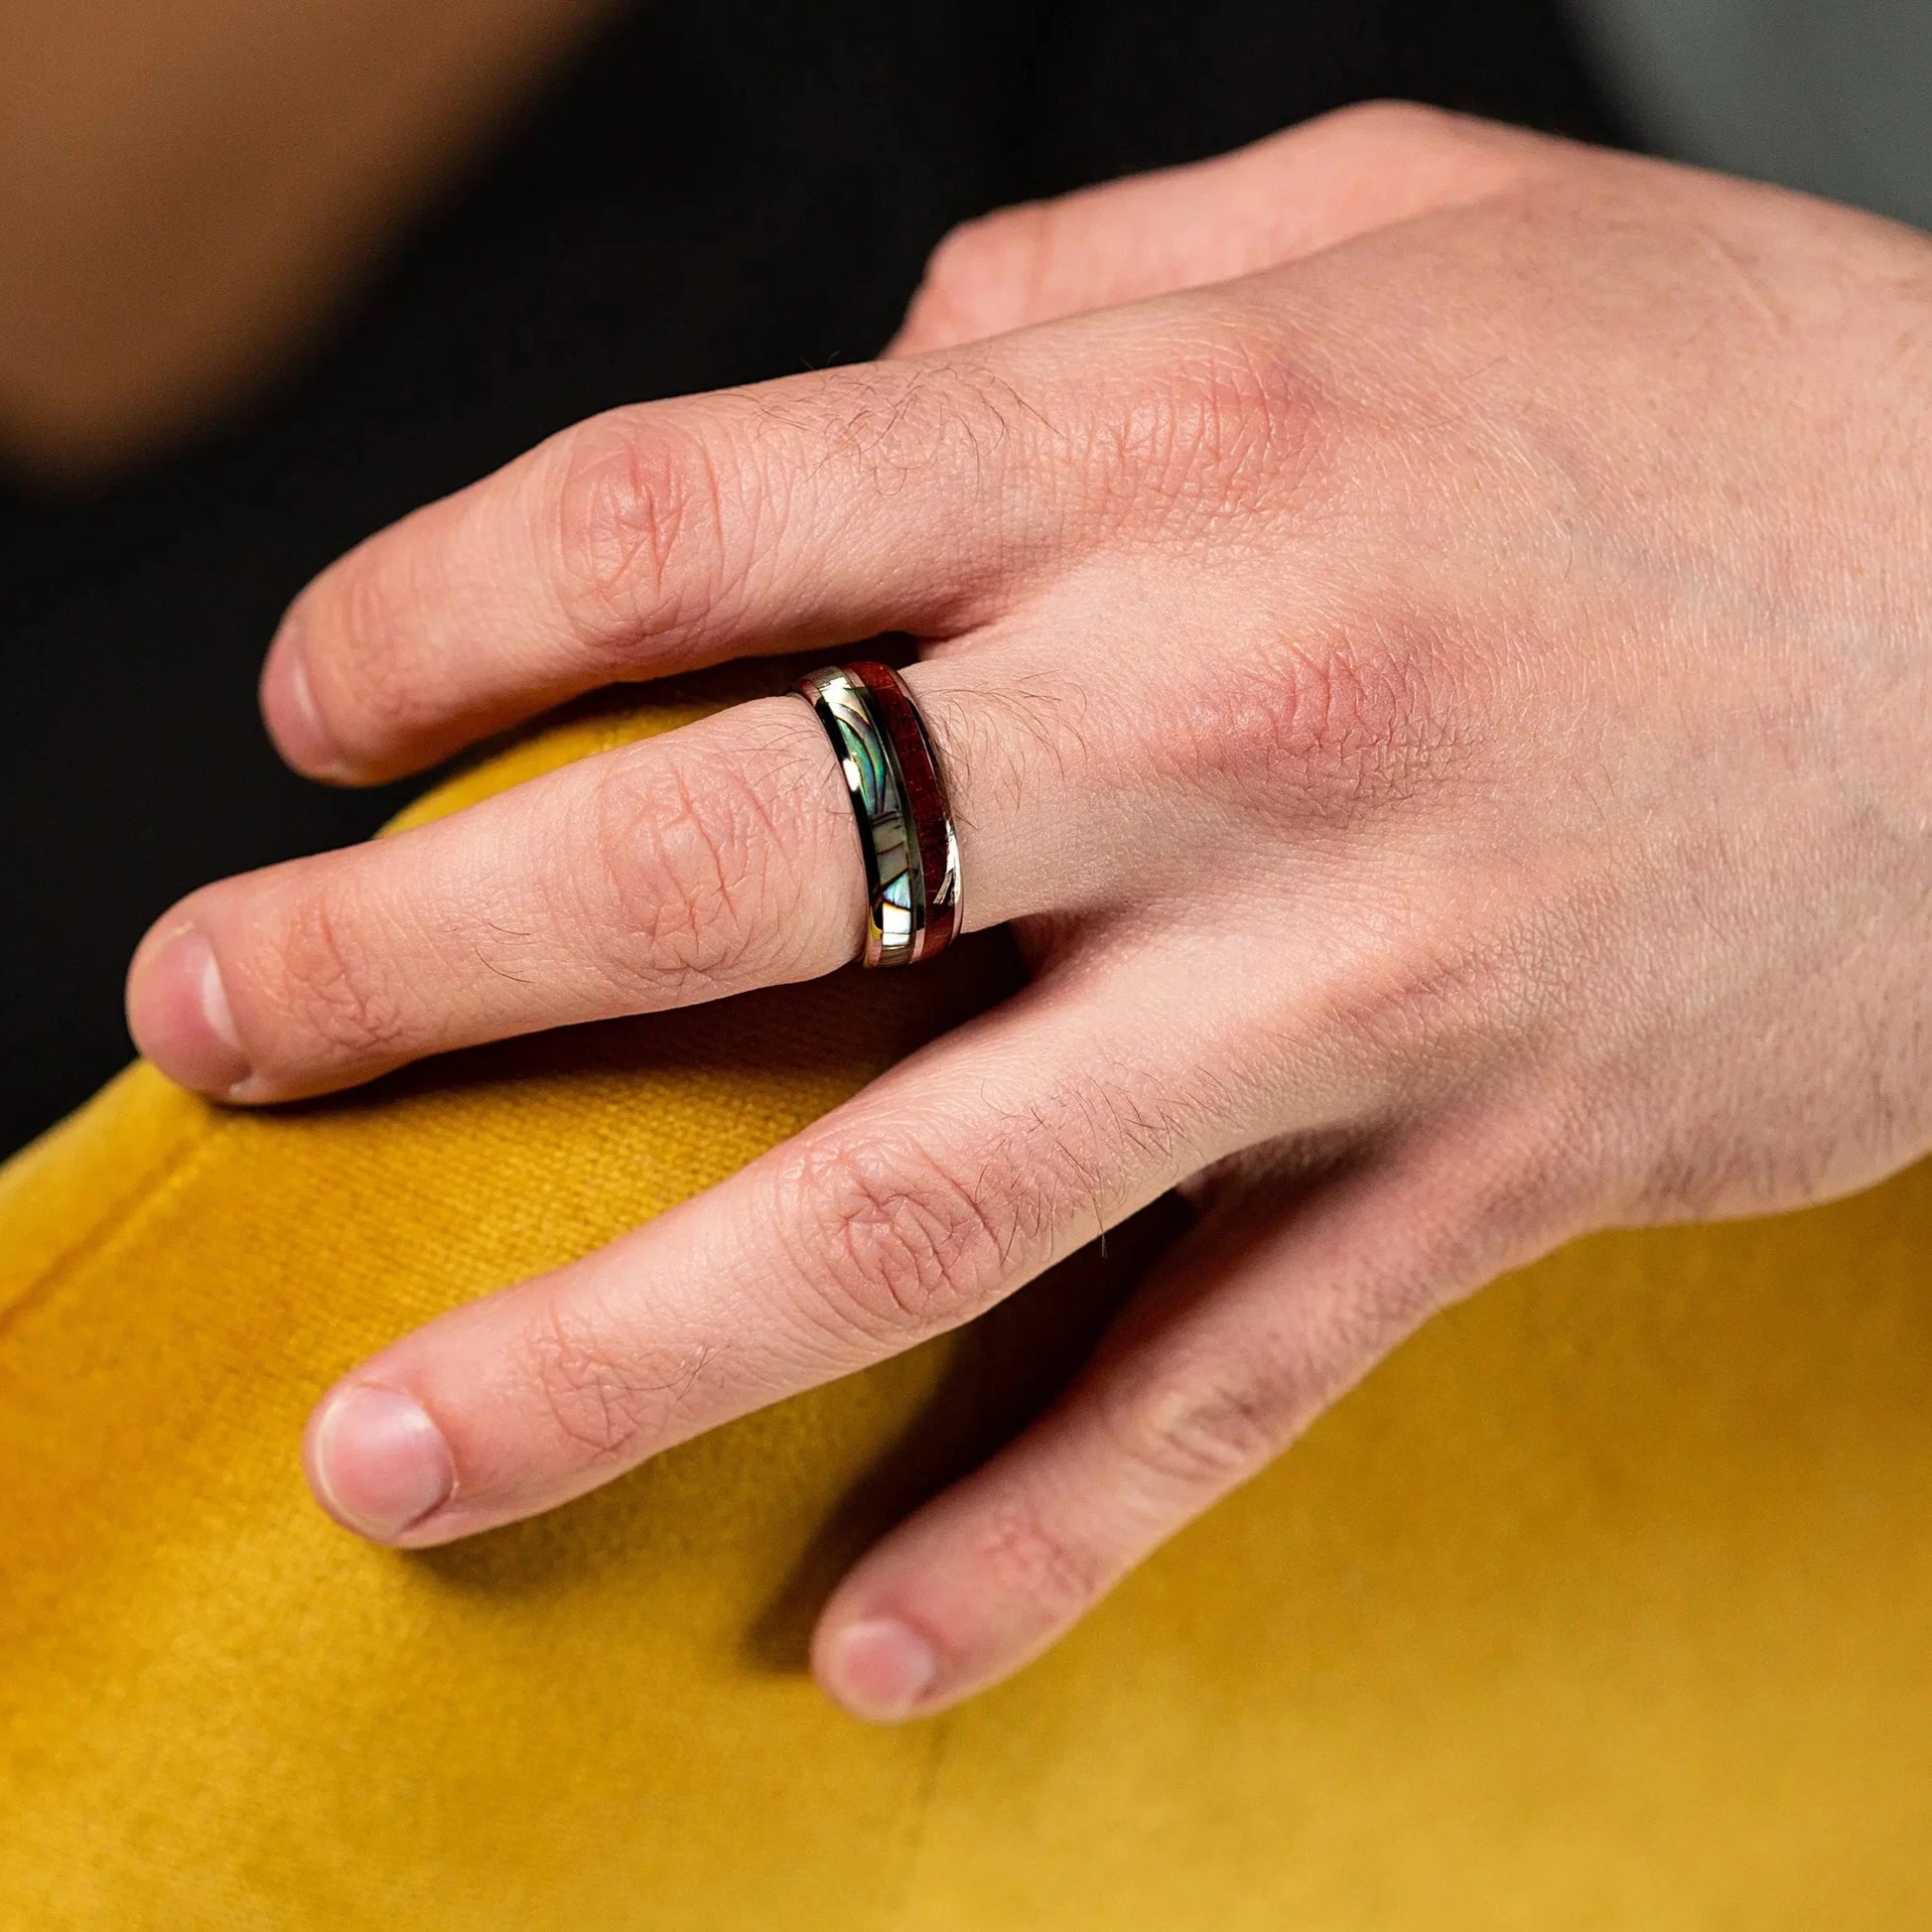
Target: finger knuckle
[
  {"x": 1371, "y": 714},
  {"x": 1385, "y": 126},
  {"x": 327, "y": 978},
  {"x": 890, "y": 1236},
  {"x": 610, "y": 1402},
  {"x": 366, "y": 681},
  {"x": 1452, "y": 153},
  {"x": 1205, "y": 1429},
  {"x": 1221, "y": 428},
  {"x": 683, "y": 854},
  {"x": 640, "y": 507},
  {"x": 892, "y": 1228},
  {"x": 1024, "y": 1554}
]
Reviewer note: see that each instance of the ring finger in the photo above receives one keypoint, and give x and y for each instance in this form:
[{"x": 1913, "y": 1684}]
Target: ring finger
[{"x": 711, "y": 860}]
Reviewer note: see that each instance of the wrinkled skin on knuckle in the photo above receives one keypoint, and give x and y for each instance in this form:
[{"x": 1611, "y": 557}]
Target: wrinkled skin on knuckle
[
  {"x": 641, "y": 510},
  {"x": 893, "y": 1236},
  {"x": 1201, "y": 1428},
  {"x": 684, "y": 874},
  {"x": 608, "y": 1398},
  {"x": 325, "y": 979},
  {"x": 1368, "y": 713},
  {"x": 371, "y": 688},
  {"x": 1212, "y": 426},
  {"x": 1025, "y": 1556},
  {"x": 890, "y": 1239}
]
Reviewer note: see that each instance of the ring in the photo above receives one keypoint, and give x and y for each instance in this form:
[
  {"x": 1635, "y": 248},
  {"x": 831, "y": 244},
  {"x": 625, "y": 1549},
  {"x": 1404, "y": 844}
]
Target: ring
[{"x": 898, "y": 797}]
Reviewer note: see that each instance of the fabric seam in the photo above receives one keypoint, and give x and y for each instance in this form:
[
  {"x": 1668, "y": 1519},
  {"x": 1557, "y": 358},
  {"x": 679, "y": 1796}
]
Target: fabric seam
[
  {"x": 914, "y": 1831},
  {"x": 173, "y": 1174}
]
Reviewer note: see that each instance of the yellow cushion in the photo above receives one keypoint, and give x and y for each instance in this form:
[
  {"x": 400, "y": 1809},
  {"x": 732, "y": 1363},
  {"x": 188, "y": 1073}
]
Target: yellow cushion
[{"x": 1604, "y": 1605}]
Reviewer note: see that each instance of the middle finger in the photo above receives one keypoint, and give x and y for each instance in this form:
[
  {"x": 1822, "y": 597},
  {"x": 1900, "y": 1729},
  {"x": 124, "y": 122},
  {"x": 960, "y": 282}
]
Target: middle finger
[{"x": 662, "y": 537}]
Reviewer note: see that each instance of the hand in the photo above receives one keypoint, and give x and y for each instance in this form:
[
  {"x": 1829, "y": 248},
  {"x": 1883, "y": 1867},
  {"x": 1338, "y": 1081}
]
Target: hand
[{"x": 1446, "y": 714}]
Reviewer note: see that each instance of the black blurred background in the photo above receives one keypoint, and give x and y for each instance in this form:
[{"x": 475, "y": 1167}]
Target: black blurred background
[{"x": 711, "y": 195}]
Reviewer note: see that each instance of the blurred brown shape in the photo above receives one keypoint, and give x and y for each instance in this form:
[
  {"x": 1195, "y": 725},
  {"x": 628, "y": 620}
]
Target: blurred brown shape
[{"x": 188, "y": 190}]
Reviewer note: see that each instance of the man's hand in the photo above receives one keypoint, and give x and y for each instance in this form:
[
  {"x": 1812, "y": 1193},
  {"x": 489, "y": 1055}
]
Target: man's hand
[{"x": 1448, "y": 713}]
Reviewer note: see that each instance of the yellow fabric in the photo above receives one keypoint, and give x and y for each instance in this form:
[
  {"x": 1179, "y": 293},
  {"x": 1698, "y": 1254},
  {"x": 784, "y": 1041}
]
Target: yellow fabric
[{"x": 1603, "y": 1606}]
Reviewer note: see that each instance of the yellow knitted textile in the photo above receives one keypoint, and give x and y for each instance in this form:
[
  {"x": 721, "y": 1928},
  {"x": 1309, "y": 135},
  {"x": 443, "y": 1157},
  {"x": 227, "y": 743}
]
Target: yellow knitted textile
[{"x": 1604, "y": 1604}]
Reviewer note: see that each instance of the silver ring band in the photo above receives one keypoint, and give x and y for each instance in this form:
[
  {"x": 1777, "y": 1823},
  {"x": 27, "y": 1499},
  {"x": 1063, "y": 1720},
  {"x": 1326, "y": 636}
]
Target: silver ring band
[{"x": 898, "y": 797}]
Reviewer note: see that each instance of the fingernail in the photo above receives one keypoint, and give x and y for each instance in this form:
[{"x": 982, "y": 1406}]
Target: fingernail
[
  {"x": 179, "y": 1014},
  {"x": 880, "y": 1669},
  {"x": 377, "y": 1463},
  {"x": 290, "y": 708}
]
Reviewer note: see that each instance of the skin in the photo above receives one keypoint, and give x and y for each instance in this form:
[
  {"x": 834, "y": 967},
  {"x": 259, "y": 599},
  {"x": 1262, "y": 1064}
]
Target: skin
[{"x": 1428, "y": 636}]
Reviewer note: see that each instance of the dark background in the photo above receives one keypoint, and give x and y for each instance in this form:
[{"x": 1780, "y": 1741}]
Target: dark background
[{"x": 716, "y": 194}]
